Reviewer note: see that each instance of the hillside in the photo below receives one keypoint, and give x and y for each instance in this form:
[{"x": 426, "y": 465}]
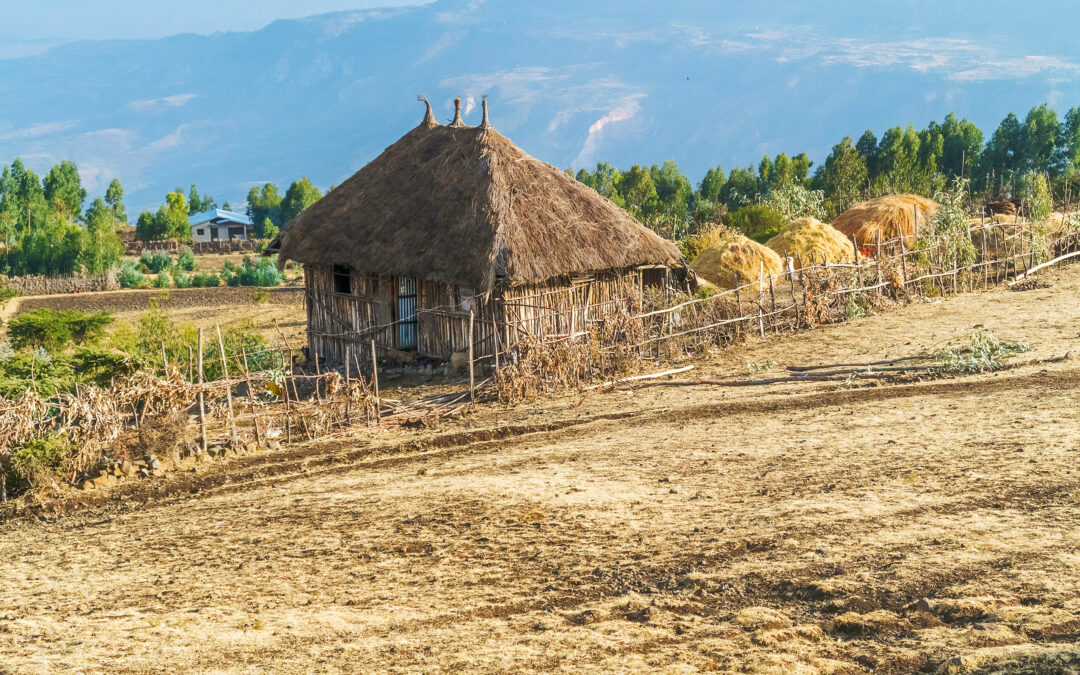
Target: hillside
[{"x": 572, "y": 84}]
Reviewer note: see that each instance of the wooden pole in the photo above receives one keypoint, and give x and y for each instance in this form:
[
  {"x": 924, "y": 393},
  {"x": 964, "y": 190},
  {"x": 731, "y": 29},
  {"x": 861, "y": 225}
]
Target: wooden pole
[
  {"x": 375, "y": 373},
  {"x": 190, "y": 365},
  {"x": 165, "y": 360},
  {"x": 285, "y": 396},
  {"x": 202, "y": 404},
  {"x": 472, "y": 377},
  {"x": 251, "y": 397},
  {"x": 228, "y": 388},
  {"x": 348, "y": 393},
  {"x": 858, "y": 267}
]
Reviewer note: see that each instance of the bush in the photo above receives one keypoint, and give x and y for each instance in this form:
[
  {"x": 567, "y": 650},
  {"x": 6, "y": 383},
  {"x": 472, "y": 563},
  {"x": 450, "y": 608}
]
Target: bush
[
  {"x": 162, "y": 280},
  {"x": 131, "y": 277},
  {"x": 100, "y": 366},
  {"x": 263, "y": 273},
  {"x": 758, "y": 222},
  {"x": 186, "y": 260},
  {"x": 205, "y": 280},
  {"x": 155, "y": 261},
  {"x": 7, "y": 292},
  {"x": 53, "y": 330},
  {"x": 182, "y": 280},
  {"x": 37, "y": 463}
]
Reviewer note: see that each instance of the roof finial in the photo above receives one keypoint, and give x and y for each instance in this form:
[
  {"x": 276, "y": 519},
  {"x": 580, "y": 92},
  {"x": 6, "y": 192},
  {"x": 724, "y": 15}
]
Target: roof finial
[
  {"x": 457, "y": 114},
  {"x": 485, "y": 124},
  {"x": 429, "y": 117}
]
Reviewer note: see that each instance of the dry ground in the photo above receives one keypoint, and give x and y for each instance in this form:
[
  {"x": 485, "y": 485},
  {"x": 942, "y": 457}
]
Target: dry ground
[{"x": 789, "y": 528}]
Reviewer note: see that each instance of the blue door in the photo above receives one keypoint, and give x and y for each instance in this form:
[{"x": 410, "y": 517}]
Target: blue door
[{"x": 406, "y": 327}]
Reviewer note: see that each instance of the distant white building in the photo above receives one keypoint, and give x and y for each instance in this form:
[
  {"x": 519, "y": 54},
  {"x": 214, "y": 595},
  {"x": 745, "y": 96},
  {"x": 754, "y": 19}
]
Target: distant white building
[{"x": 220, "y": 224}]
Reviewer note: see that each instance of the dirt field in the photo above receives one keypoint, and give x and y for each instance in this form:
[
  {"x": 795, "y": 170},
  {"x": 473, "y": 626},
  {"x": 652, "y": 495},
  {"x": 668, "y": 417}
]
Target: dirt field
[
  {"x": 787, "y": 529},
  {"x": 198, "y": 306}
]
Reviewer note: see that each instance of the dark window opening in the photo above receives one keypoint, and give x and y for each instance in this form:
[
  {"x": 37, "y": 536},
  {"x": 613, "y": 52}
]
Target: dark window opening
[{"x": 343, "y": 279}]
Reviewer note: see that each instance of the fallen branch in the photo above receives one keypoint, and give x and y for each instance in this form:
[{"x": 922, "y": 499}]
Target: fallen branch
[
  {"x": 636, "y": 378},
  {"x": 1031, "y": 271},
  {"x": 870, "y": 364}
]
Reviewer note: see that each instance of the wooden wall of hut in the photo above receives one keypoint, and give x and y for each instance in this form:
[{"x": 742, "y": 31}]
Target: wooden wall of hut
[{"x": 555, "y": 309}]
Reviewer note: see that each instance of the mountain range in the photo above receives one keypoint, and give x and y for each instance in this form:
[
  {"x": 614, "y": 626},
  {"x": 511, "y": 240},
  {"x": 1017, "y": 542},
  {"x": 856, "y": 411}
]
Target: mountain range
[{"x": 572, "y": 83}]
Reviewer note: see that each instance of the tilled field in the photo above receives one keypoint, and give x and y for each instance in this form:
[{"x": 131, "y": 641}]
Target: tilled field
[{"x": 789, "y": 528}]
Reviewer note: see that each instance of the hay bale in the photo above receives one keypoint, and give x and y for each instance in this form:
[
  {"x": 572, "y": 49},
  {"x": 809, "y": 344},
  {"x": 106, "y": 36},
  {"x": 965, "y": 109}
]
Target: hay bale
[
  {"x": 732, "y": 254},
  {"x": 809, "y": 239},
  {"x": 891, "y": 216}
]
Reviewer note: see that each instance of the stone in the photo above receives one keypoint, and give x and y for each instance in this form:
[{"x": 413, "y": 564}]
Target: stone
[
  {"x": 459, "y": 361},
  {"x": 102, "y": 480},
  {"x": 127, "y": 468},
  {"x": 153, "y": 462},
  {"x": 274, "y": 445},
  {"x": 144, "y": 472},
  {"x": 251, "y": 448},
  {"x": 87, "y": 484}
]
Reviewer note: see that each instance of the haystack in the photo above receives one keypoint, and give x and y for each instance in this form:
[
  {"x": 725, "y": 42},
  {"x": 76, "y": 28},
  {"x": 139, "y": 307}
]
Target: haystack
[
  {"x": 888, "y": 217},
  {"x": 733, "y": 260},
  {"x": 1001, "y": 206},
  {"x": 809, "y": 241}
]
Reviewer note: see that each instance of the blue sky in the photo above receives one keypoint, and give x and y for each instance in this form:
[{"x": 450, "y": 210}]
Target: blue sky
[{"x": 30, "y": 27}]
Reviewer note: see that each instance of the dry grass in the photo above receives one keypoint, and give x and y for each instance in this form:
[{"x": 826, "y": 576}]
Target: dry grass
[
  {"x": 733, "y": 260},
  {"x": 888, "y": 217},
  {"x": 810, "y": 241},
  {"x": 776, "y": 530}
]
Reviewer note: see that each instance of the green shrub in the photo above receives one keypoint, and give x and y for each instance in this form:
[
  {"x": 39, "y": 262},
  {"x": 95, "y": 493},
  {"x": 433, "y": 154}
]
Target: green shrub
[
  {"x": 162, "y": 280},
  {"x": 156, "y": 261},
  {"x": 757, "y": 221},
  {"x": 205, "y": 280},
  {"x": 34, "y": 369},
  {"x": 100, "y": 366},
  {"x": 53, "y": 330},
  {"x": 186, "y": 260},
  {"x": 261, "y": 273},
  {"x": 131, "y": 277},
  {"x": 7, "y": 292},
  {"x": 38, "y": 463},
  {"x": 182, "y": 280}
]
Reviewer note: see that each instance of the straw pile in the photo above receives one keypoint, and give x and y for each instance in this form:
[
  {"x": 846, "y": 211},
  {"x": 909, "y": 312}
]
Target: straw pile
[
  {"x": 733, "y": 260},
  {"x": 890, "y": 217},
  {"x": 810, "y": 241}
]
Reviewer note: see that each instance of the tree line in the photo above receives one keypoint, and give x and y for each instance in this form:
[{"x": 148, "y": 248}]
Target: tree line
[
  {"x": 44, "y": 230},
  {"x": 902, "y": 160},
  {"x": 269, "y": 211}
]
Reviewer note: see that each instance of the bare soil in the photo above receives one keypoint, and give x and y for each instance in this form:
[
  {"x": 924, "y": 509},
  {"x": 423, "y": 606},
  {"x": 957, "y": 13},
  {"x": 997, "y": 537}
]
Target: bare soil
[{"x": 791, "y": 528}]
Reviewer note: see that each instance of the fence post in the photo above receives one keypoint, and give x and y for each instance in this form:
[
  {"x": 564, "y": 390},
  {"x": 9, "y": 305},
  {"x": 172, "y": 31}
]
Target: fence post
[
  {"x": 202, "y": 406},
  {"x": 348, "y": 392},
  {"x": 858, "y": 267},
  {"x": 472, "y": 378},
  {"x": 375, "y": 372},
  {"x": 251, "y": 397},
  {"x": 228, "y": 388}
]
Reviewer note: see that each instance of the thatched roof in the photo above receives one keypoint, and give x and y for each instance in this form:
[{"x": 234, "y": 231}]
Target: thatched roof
[{"x": 465, "y": 205}]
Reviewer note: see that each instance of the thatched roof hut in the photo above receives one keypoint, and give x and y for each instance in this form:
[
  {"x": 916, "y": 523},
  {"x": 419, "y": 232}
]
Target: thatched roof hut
[
  {"x": 465, "y": 205},
  {"x": 808, "y": 241},
  {"x": 459, "y": 217},
  {"x": 886, "y": 218}
]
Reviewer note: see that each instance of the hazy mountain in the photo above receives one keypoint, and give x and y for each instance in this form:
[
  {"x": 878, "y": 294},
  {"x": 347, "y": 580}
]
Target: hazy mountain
[{"x": 570, "y": 82}]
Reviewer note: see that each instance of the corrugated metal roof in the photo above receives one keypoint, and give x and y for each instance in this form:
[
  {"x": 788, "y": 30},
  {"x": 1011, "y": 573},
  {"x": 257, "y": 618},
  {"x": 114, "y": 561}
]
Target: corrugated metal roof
[{"x": 220, "y": 216}]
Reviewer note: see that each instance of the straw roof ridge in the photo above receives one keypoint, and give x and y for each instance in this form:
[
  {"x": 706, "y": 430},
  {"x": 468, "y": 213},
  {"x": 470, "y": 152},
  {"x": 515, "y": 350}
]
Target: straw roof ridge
[
  {"x": 465, "y": 205},
  {"x": 889, "y": 216}
]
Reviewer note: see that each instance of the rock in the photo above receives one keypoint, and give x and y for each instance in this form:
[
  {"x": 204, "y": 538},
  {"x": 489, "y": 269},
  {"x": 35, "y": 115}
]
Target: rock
[
  {"x": 87, "y": 484},
  {"x": 923, "y": 605},
  {"x": 1070, "y": 356},
  {"x": 215, "y": 451},
  {"x": 153, "y": 462},
  {"x": 251, "y": 448},
  {"x": 144, "y": 472},
  {"x": 157, "y": 473},
  {"x": 128, "y": 469},
  {"x": 274, "y": 445},
  {"x": 102, "y": 480}
]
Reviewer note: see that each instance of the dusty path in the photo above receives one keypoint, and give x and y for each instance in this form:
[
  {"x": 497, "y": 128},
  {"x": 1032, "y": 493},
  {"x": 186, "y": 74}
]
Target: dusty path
[{"x": 779, "y": 529}]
